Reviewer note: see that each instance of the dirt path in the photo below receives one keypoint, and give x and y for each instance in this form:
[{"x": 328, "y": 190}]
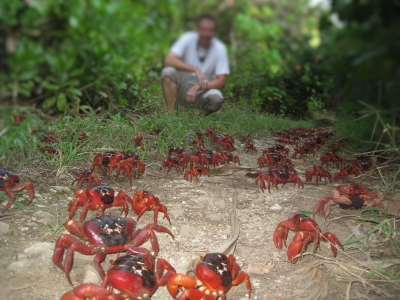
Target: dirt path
[{"x": 200, "y": 216}]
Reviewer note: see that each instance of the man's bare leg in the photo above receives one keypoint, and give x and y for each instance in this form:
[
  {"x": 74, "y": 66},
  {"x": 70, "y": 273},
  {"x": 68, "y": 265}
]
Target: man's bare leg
[{"x": 170, "y": 91}]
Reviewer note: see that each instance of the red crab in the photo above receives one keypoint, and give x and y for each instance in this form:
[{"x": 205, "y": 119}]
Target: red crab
[
  {"x": 331, "y": 158},
  {"x": 133, "y": 275},
  {"x": 172, "y": 161},
  {"x": 98, "y": 197},
  {"x": 7, "y": 185},
  {"x": 278, "y": 148},
  {"x": 318, "y": 172},
  {"x": 276, "y": 176},
  {"x": 215, "y": 274},
  {"x": 129, "y": 166},
  {"x": 224, "y": 140},
  {"x": 307, "y": 231},
  {"x": 88, "y": 176},
  {"x": 106, "y": 159},
  {"x": 138, "y": 140},
  {"x": 249, "y": 147},
  {"x": 195, "y": 171},
  {"x": 362, "y": 163},
  {"x": 229, "y": 157},
  {"x": 342, "y": 195},
  {"x": 303, "y": 150},
  {"x": 272, "y": 158},
  {"x": 144, "y": 201},
  {"x": 344, "y": 172},
  {"x": 103, "y": 235}
]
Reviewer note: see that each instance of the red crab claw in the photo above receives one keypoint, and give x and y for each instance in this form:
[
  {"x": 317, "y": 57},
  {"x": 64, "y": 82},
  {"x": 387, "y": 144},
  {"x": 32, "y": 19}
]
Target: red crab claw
[
  {"x": 281, "y": 232},
  {"x": 19, "y": 187},
  {"x": 298, "y": 245},
  {"x": 320, "y": 206},
  {"x": 333, "y": 240},
  {"x": 147, "y": 232},
  {"x": 160, "y": 208},
  {"x": 71, "y": 244},
  {"x": 75, "y": 228},
  {"x": 179, "y": 280},
  {"x": 88, "y": 290}
]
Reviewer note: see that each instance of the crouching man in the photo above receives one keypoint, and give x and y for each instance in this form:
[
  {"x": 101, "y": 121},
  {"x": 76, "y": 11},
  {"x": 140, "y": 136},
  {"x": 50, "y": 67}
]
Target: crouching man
[{"x": 196, "y": 69}]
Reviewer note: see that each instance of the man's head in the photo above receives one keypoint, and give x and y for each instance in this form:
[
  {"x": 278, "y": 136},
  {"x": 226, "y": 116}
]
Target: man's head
[{"x": 207, "y": 28}]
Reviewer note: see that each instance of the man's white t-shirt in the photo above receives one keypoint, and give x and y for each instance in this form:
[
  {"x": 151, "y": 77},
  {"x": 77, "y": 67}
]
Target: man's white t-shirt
[{"x": 212, "y": 61}]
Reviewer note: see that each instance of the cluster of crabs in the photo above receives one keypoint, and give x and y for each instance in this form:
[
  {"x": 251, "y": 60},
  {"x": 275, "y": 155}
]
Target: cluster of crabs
[{"x": 139, "y": 272}]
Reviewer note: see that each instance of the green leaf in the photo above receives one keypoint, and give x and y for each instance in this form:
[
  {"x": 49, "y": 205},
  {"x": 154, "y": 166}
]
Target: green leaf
[
  {"x": 20, "y": 205},
  {"x": 50, "y": 86},
  {"x": 355, "y": 240},
  {"x": 74, "y": 91},
  {"x": 306, "y": 212},
  {"x": 49, "y": 102},
  {"x": 61, "y": 101}
]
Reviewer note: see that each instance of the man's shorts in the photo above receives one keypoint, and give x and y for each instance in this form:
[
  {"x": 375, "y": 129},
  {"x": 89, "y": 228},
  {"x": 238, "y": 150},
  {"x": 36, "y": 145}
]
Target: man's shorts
[{"x": 209, "y": 100}]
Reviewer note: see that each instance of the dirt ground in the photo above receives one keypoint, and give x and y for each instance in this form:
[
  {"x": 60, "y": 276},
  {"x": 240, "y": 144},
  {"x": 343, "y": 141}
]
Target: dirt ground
[{"x": 200, "y": 215}]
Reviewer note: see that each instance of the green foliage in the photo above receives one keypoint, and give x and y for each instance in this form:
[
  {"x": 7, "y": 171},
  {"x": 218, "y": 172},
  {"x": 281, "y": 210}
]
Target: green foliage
[
  {"x": 362, "y": 53},
  {"x": 64, "y": 53},
  {"x": 275, "y": 67}
]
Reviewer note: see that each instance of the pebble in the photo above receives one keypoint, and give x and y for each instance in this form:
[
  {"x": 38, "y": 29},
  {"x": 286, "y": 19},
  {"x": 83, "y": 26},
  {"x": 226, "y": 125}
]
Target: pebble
[
  {"x": 4, "y": 228},
  {"x": 258, "y": 269},
  {"x": 44, "y": 216},
  {"x": 187, "y": 231},
  {"x": 24, "y": 229},
  {"x": 91, "y": 275},
  {"x": 176, "y": 213},
  {"x": 219, "y": 204},
  {"x": 213, "y": 217},
  {"x": 276, "y": 206},
  {"x": 37, "y": 256}
]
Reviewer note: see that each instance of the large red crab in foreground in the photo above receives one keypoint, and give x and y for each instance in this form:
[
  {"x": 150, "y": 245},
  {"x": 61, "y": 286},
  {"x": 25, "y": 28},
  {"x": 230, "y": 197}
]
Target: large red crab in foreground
[
  {"x": 133, "y": 275},
  {"x": 350, "y": 196},
  {"x": 103, "y": 235},
  {"x": 307, "y": 231},
  {"x": 144, "y": 201},
  {"x": 7, "y": 185},
  {"x": 99, "y": 198},
  {"x": 215, "y": 274}
]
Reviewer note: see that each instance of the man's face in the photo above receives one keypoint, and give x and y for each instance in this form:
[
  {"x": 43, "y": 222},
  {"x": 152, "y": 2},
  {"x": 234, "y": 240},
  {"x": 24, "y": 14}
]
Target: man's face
[{"x": 207, "y": 30}]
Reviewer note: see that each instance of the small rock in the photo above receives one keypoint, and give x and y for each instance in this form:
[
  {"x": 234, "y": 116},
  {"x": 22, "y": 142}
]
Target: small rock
[
  {"x": 91, "y": 275},
  {"x": 187, "y": 231},
  {"x": 176, "y": 213},
  {"x": 4, "y": 203},
  {"x": 219, "y": 204},
  {"x": 37, "y": 256},
  {"x": 213, "y": 217},
  {"x": 276, "y": 206},
  {"x": 64, "y": 189},
  {"x": 4, "y": 228},
  {"x": 44, "y": 217},
  {"x": 258, "y": 269},
  {"x": 24, "y": 229}
]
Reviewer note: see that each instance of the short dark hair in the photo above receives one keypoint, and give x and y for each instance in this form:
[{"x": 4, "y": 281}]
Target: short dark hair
[{"x": 208, "y": 17}]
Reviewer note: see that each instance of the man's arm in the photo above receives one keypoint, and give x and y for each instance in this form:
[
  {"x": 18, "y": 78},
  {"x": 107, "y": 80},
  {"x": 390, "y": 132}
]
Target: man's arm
[
  {"x": 217, "y": 83},
  {"x": 173, "y": 60}
]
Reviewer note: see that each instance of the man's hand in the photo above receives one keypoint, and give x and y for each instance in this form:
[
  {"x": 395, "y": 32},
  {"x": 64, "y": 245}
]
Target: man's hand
[
  {"x": 203, "y": 81},
  {"x": 192, "y": 92}
]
